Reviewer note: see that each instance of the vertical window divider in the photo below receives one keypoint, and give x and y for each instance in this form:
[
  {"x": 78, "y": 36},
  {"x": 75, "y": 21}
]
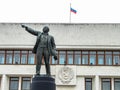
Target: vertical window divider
[
  {"x": 66, "y": 57},
  {"x": 27, "y": 56},
  {"x": 20, "y": 56},
  {"x": 96, "y": 58},
  {"x": 89, "y": 58},
  {"x": 112, "y": 58},
  {"x": 81, "y": 57},
  {"x": 73, "y": 57},
  {"x": 5, "y": 57},
  {"x": 12, "y": 56},
  {"x": 104, "y": 58}
]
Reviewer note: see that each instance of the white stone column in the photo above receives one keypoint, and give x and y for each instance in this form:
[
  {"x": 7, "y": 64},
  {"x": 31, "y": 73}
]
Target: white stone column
[
  {"x": 20, "y": 82},
  {"x": 4, "y": 83},
  {"x": 112, "y": 84},
  {"x": 97, "y": 87}
]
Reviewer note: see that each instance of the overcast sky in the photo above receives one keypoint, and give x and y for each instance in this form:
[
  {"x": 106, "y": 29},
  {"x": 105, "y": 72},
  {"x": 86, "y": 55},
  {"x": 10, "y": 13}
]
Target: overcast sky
[{"x": 58, "y": 11}]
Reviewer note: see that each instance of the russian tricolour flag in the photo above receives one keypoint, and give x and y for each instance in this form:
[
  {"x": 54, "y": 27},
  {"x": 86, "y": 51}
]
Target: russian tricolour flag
[{"x": 73, "y": 10}]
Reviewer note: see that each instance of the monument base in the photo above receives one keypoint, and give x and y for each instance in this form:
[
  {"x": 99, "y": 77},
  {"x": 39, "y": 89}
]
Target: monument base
[{"x": 43, "y": 83}]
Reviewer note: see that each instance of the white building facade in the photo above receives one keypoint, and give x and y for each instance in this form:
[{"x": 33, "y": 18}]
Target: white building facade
[{"x": 88, "y": 56}]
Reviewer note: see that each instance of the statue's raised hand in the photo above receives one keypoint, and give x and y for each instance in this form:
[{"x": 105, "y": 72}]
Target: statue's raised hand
[{"x": 23, "y": 26}]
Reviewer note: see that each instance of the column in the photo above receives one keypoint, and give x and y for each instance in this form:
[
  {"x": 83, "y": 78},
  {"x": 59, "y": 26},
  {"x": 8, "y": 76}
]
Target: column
[
  {"x": 4, "y": 83},
  {"x": 97, "y": 87},
  {"x": 112, "y": 83},
  {"x": 20, "y": 81}
]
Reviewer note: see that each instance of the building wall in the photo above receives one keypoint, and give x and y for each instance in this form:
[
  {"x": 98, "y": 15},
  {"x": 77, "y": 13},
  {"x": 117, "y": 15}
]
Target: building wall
[{"x": 67, "y": 36}]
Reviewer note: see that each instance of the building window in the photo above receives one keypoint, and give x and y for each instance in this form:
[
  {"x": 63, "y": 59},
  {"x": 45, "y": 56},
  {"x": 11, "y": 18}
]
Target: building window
[
  {"x": 100, "y": 57},
  {"x": 2, "y": 57},
  {"x": 16, "y": 59},
  {"x": 108, "y": 58},
  {"x": 106, "y": 84},
  {"x": 92, "y": 58},
  {"x": 26, "y": 83},
  {"x": 116, "y": 58},
  {"x": 117, "y": 84},
  {"x": 84, "y": 57},
  {"x": 77, "y": 57},
  {"x": 24, "y": 57},
  {"x": 88, "y": 83},
  {"x": 31, "y": 58},
  {"x": 14, "y": 83},
  {"x": 62, "y": 57},
  {"x": 70, "y": 57},
  {"x": 9, "y": 57}
]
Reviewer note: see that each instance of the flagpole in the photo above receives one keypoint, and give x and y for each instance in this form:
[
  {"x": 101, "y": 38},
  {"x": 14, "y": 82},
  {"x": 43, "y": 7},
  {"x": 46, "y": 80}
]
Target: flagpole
[{"x": 70, "y": 14}]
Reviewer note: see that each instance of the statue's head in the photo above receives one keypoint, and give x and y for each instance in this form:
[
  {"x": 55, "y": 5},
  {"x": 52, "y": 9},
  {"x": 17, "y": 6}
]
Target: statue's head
[{"x": 45, "y": 29}]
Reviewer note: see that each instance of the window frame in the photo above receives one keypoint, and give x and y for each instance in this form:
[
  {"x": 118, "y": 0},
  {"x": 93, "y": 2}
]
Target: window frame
[
  {"x": 116, "y": 81},
  {"x": 91, "y": 82},
  {"x": 80, "y": 62},
  {"x": 106, "y": 81},
  {"x": 13, "y": 80},
  {"x": 24, "y": 80}
]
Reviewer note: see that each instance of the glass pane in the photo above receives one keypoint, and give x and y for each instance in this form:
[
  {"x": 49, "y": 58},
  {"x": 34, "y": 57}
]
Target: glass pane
[
  {"x": 116, "y": 60},
  {"x": 16, "y": 58},
  {"x": 62, "y": 57},
  {"x": 100, "y": 59},
  {"x": 70, "y": 57},
  {"x": 14, "y": 84},
  {"x": 31, "y": 59},
  {"x": 84, "y": 59},
  {"x": 2, "y": 58},
  {"x": 26, "y": 83},
  {"x": 106, "y": 84},
  {"x": 116, "y": 52},
  {"x": 77, "y": 52},
  {"x": 77, "y": 59},
  {"x": 14, "y": 79},
  {"x": 84, "y": 52},
  {"x": 108, "y": 52},
  {"x": 92, "y": 52},
  {"x": 24, "y": 52},
  {"x": 100, "y": 52},
  {"x": 93, "y": 59},
  {"x": 108, "y": 59},
  {"x": 88, "y": 84},
  {"x": 26, "y": 79},
  {"x": 117, "y": 84},
  {"x": 24, "y": 59},
  {"x": 9, "y": 59}
]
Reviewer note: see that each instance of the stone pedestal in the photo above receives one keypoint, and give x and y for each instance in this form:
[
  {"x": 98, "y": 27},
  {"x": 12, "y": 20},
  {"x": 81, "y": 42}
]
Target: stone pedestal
[{"x": 43, "y": 83}]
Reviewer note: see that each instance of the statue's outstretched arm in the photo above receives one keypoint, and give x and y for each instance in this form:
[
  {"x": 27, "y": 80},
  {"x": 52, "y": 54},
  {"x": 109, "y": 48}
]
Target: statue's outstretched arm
[{"x": 30, "y": 30}]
